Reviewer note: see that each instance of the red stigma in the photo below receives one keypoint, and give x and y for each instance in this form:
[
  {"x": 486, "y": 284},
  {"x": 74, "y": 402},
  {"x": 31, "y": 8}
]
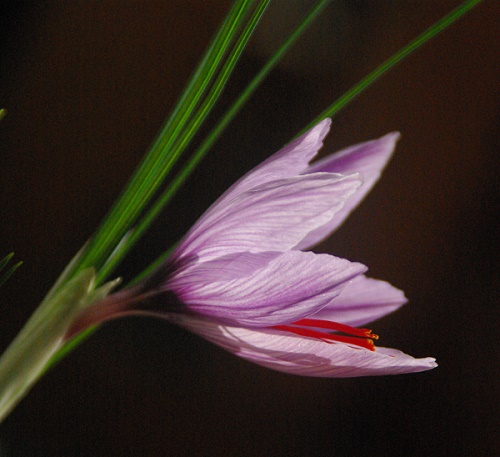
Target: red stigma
[{"x": 362, "y": 337}]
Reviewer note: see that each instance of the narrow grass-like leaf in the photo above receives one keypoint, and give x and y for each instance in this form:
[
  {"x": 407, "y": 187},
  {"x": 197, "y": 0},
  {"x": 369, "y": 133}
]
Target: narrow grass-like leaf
[
  {"x": 6, "y": 260},
  {"x": 190, "y": 131},
  {"x": 367, "y": 81},
  {"x": 153, "y": 266},
  {"x": 4, "y": 276},
  {"x": 159, "y": 160},
  {"x": 214, "y": 135}
]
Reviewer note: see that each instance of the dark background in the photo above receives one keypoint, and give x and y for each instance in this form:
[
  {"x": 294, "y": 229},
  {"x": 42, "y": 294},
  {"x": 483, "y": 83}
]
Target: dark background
[{"x": 88, "y": 84}]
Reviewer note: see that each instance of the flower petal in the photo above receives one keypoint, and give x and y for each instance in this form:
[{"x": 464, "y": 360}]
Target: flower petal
[
  {"x": 303, "y": 356},
  {"x": 291, "y": 160},
  {"x": 362, "y": 300},
  {"x": 290, "y": 286},
  {"x": 368, "y": 159},
  {"x": 225, "y": 268},
  {"x": 274, "y": 216}
]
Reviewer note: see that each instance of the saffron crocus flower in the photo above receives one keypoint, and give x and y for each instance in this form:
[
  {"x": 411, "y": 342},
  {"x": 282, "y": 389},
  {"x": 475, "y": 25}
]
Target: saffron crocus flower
[{"x": 242, "y": 278}]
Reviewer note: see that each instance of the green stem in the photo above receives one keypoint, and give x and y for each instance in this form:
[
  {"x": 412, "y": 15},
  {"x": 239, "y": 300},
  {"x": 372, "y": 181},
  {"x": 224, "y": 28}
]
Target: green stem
[{"x": 27, "y": 357}]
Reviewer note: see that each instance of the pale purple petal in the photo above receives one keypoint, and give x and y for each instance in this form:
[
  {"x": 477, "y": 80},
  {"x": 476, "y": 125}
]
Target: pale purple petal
[
  {"x": 274, "y": 216},
  {"x": 303, "y": 356},
  {"x": 368, "y": 159},
  {"x": 362, "y": 300},
  {"x": 290, "y": 287},
  {"x": 292, "y": 160}
]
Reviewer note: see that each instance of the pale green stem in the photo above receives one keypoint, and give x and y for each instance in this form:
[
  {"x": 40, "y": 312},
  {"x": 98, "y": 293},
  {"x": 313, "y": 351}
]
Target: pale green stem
[{"x": 24, "y": 361}]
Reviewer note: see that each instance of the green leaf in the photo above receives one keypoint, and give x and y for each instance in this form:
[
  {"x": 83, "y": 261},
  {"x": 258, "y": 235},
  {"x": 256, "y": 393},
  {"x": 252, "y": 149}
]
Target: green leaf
[
  {"x": 7, "y": 274},
  {"x": 368, "y": 80},
  {"x": 190, "y": 130},
  {"x": 162, "y": 157},
  {"x": 214, "y": 135}
]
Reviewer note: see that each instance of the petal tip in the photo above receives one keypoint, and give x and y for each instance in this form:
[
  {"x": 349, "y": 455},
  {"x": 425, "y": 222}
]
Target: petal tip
[
  {"x": 318, "y": 133},
  {"x": 391, "y": 139}
]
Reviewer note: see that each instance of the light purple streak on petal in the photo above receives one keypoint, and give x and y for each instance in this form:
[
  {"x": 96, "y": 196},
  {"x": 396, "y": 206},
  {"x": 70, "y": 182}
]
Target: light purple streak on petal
[
  {"x": 290, "y": 287},
  {"x": 368, "y": 159},
  {"x": 362, "y": 300},
  {"x": 303, "y": 356},
  {"x": 271, "y": 217},
  {"x": 225, "y": 268}
]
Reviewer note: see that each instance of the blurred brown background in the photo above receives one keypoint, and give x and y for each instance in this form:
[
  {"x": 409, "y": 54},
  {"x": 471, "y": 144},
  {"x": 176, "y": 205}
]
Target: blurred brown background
[{"x": 87, "y": 85}]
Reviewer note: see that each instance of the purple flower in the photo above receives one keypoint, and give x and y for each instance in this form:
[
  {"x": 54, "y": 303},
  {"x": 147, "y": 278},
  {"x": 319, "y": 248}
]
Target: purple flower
[{"x": 241, "y": 278}]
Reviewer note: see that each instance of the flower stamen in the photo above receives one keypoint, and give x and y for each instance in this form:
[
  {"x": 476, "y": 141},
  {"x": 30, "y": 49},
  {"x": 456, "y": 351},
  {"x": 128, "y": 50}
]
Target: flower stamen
[{"x": 362, "y": 337}]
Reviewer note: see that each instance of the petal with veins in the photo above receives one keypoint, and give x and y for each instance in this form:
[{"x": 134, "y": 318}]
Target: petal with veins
[
  {"x": 303, "y": 356},
  {"x": 291, "y": 160},
  {"x": 271, "y": 217},
  {"x": 368, "y": 159},
  {"x": 291, "y": 286},
  {"x": 362, "y": 300}
]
